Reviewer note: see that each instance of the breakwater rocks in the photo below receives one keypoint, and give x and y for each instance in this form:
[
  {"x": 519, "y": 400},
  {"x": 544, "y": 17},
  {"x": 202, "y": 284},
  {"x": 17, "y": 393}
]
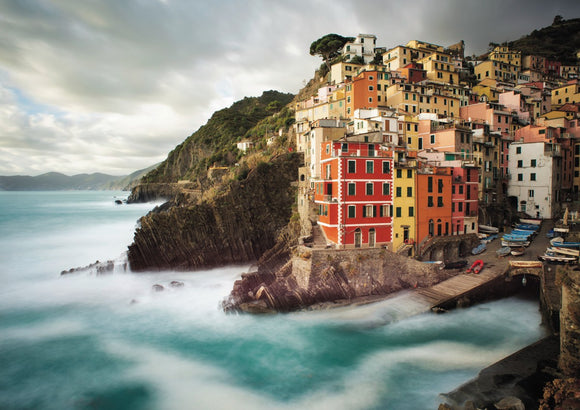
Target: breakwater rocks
[
  {"x": 237, "y": 225},
  {"x": 314, "y": 276}
]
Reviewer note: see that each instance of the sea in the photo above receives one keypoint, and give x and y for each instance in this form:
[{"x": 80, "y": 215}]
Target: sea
[{"x": 88, "y": 341}]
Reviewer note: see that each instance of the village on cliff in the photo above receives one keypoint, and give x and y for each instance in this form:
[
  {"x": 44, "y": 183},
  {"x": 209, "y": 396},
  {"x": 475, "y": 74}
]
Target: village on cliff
[{"x": 407, "y": 144}]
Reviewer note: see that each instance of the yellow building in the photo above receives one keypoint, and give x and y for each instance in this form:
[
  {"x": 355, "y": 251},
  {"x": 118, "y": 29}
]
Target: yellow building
[
  {"x": 404, "y": 206},
  {"x": 408, "y": 129},
  {"x": 505, "y": 55},
  {"x": 341, "y": 72},
  {"x": 568, "y": 93},
  {"x": 439, "y": 67},
  {"x": 337, "y": 104},
  {"x": 496, "y": 70},
  {"x": 424, "y": 48},
  {"x": 397, "y": 57},
  {"x": 418, "y": 98}
]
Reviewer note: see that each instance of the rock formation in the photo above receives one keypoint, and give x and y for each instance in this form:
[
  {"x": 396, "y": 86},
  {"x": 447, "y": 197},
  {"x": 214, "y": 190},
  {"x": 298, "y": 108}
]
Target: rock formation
[
  {"x": 237, "y": 225},
  {"x": 314, "y": 276}
]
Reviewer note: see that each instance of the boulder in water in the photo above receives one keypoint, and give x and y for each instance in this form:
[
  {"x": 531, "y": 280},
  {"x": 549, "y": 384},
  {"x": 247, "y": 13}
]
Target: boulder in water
[{"x": 158, "y": 288}]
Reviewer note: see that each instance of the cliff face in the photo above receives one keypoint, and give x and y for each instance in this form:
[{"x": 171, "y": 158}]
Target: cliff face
[{"x": 236, "y": 226}]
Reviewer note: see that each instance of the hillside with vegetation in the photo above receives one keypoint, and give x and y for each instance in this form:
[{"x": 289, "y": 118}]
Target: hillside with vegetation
[
  {"x": 558, "y": 42},
  {"x": 215, "y": 142}
]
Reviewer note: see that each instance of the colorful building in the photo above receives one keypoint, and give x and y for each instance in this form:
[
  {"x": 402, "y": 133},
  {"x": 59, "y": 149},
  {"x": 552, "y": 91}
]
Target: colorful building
[{"x": 354, "y": 194}]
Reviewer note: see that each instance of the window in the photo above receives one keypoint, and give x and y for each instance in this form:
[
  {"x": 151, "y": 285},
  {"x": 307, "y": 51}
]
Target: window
[
  {"x": 531, "y": 193},
  {"x": 351, "y": 167},
  {"x": 533, "y": 163},
  {"x": 440, "y": 201},
  {"x": 398, "y": 212},
  {"x": 352, "y": 211},
  {"x": 399, "y": 173},
  {"x": 351, "y": 188},
  {"x": 371, "y": 88},
  {"x": 411, "y": 211},
  {"x": 368, "y": 211},
  {"x": 460, "y": 207},
  {"x": 409, "y": 173},
  {"x": 430, "y": 201},
  {"x": 398, "y": 194},
  {"x": 371, "y": 150},
  {"x": 344, "y": 147},
  {"x": 518, "y": 150},
  {"x": 429, "y": 184},
  {"x": 533, "y": 176},
  {"x": 520, "y": 177},
  {"x": 432, "y": 138},
  {"x": 370, "y": 167},
  {"x": 520, "y": 163},
  {"x": 386, "y": 167},
  {"x": 409, "y": 191},
  {"x": 385, "y": 210},
  {"x": 440, "y": 186},
  {"x": 369, "y": 189},
  {"x": 386, "y": 188}
]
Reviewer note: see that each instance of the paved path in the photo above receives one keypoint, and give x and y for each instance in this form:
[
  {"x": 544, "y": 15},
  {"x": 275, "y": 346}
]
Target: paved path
[{"x": 493, "y": 268}]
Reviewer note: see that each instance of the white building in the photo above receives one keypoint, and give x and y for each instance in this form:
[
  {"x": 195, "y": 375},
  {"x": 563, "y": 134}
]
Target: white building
[
  {"x": 363, "y": 46},
  {"x": 535, "y": 178}
]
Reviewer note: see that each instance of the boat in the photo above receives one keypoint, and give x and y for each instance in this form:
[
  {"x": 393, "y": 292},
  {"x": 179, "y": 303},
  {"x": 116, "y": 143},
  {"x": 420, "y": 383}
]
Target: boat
[
  {"x": 503, "y": 251},
  {"x": 560, "y": 243},
  {"x": 556, "y": 258},
  {"x": 479, "y": 249},
  {"x": 522, "y": 232},
  {"x": 565, "y": 251},
  {"x": 489, "y": 238},
  {"x": 517, "y": 251},
  {"x": 488, "y": 229},
  {"x": 515, "y": 244},
  {"x": 460, "y": 264},
  {"x": 515, "y": 238},
  {"x": 528, "y": 227},
  {"x": 531, "y": 221},
  {"x": 550, "y": 233},
  {"x": 476, "y": 267}
]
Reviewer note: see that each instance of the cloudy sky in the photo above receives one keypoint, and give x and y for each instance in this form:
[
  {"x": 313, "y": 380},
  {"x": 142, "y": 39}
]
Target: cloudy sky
[{"x": 113, "y": 85}]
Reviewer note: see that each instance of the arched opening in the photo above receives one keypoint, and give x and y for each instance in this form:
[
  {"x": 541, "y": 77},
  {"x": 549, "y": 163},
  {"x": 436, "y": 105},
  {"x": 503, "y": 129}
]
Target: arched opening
[{"x": 431, "y": 227}]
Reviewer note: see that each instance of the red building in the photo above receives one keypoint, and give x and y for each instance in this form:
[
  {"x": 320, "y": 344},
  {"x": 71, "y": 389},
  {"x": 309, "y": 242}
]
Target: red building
[
  {"x": 464, "y": 206},
  {"x": 354, "y": 194}
]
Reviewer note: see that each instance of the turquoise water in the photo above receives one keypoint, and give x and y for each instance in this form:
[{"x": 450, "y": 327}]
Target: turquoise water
[{"x": 110, "y": 342}]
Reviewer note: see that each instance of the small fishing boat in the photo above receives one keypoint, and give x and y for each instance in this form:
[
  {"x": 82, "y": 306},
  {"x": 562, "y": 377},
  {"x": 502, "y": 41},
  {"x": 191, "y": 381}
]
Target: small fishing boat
[
  {"x": 522, "y": 232},
  {"x": 479, "y": 249},
  {"x": 565, "y": 251},
  {"x": 525, "y": 264},
  {"x": 551, "y": 233},
  {"x": 503, "y": 251},
  {"x": 489, "y": 238},
  {"x": 555, "y": 258},
  {"x": 476, "y": 267},
  {"x": 515, "y": 238},
  {"x": 515, "y": 244},
  {"x": 531, "y": 221},
  {"x": 560, "y": 243},
  {"x": 528, "y": 227},
  {"x": 488, "y": 229},
  {"x": 517, "y": 251},
  {"x": 460, "y": 264}
]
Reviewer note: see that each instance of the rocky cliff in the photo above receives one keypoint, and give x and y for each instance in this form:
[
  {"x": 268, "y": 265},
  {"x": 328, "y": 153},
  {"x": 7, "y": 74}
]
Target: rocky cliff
[
  {"x": 315, "y": 276},
  {"x": 236, "y": 225}
]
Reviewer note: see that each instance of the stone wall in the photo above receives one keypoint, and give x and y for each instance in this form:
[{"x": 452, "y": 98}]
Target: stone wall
[{"x": 569, "y": 361}]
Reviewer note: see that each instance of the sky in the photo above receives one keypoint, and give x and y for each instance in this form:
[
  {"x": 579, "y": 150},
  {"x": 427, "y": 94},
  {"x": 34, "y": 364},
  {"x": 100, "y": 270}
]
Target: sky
[{"x": 114, "y": 85}]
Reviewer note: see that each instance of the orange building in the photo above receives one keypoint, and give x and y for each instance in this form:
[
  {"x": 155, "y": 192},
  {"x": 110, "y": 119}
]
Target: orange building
[
  {"x": 367, "y": 90},
  {"x": 434, "y": 212}
]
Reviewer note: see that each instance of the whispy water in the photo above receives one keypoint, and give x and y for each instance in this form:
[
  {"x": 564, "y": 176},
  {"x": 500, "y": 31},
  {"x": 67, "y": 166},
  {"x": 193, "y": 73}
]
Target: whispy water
[{"x": 110, "y": 342}]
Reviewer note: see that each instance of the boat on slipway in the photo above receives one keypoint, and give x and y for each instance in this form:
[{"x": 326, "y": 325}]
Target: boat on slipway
[
  {"x": 553, "y": 257},
  {"x": 479, "y": 249},
  {"x": 565, "y": 251},
  {"x": 515, "y": 243},
  {"x": 560, "y": 243},
  {"x": 503, "y": 251},
  {"x": 488, "y": 229},
  {"x": 517, "y": 251}
]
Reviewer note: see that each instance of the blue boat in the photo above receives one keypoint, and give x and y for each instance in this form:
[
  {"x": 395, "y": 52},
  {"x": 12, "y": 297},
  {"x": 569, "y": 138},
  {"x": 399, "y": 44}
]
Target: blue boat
[
  {"x": 522, "y": 233},
  {"x": 479, "y": 249},
  {"x": 510, "y": 237},
  {"x": 527, "y": 227},
  {"x": 559, "y": 242}
]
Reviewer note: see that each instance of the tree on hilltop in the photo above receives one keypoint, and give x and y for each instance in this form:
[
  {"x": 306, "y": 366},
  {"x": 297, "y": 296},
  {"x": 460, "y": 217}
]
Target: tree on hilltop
[{"x": 328, "y": 47}]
